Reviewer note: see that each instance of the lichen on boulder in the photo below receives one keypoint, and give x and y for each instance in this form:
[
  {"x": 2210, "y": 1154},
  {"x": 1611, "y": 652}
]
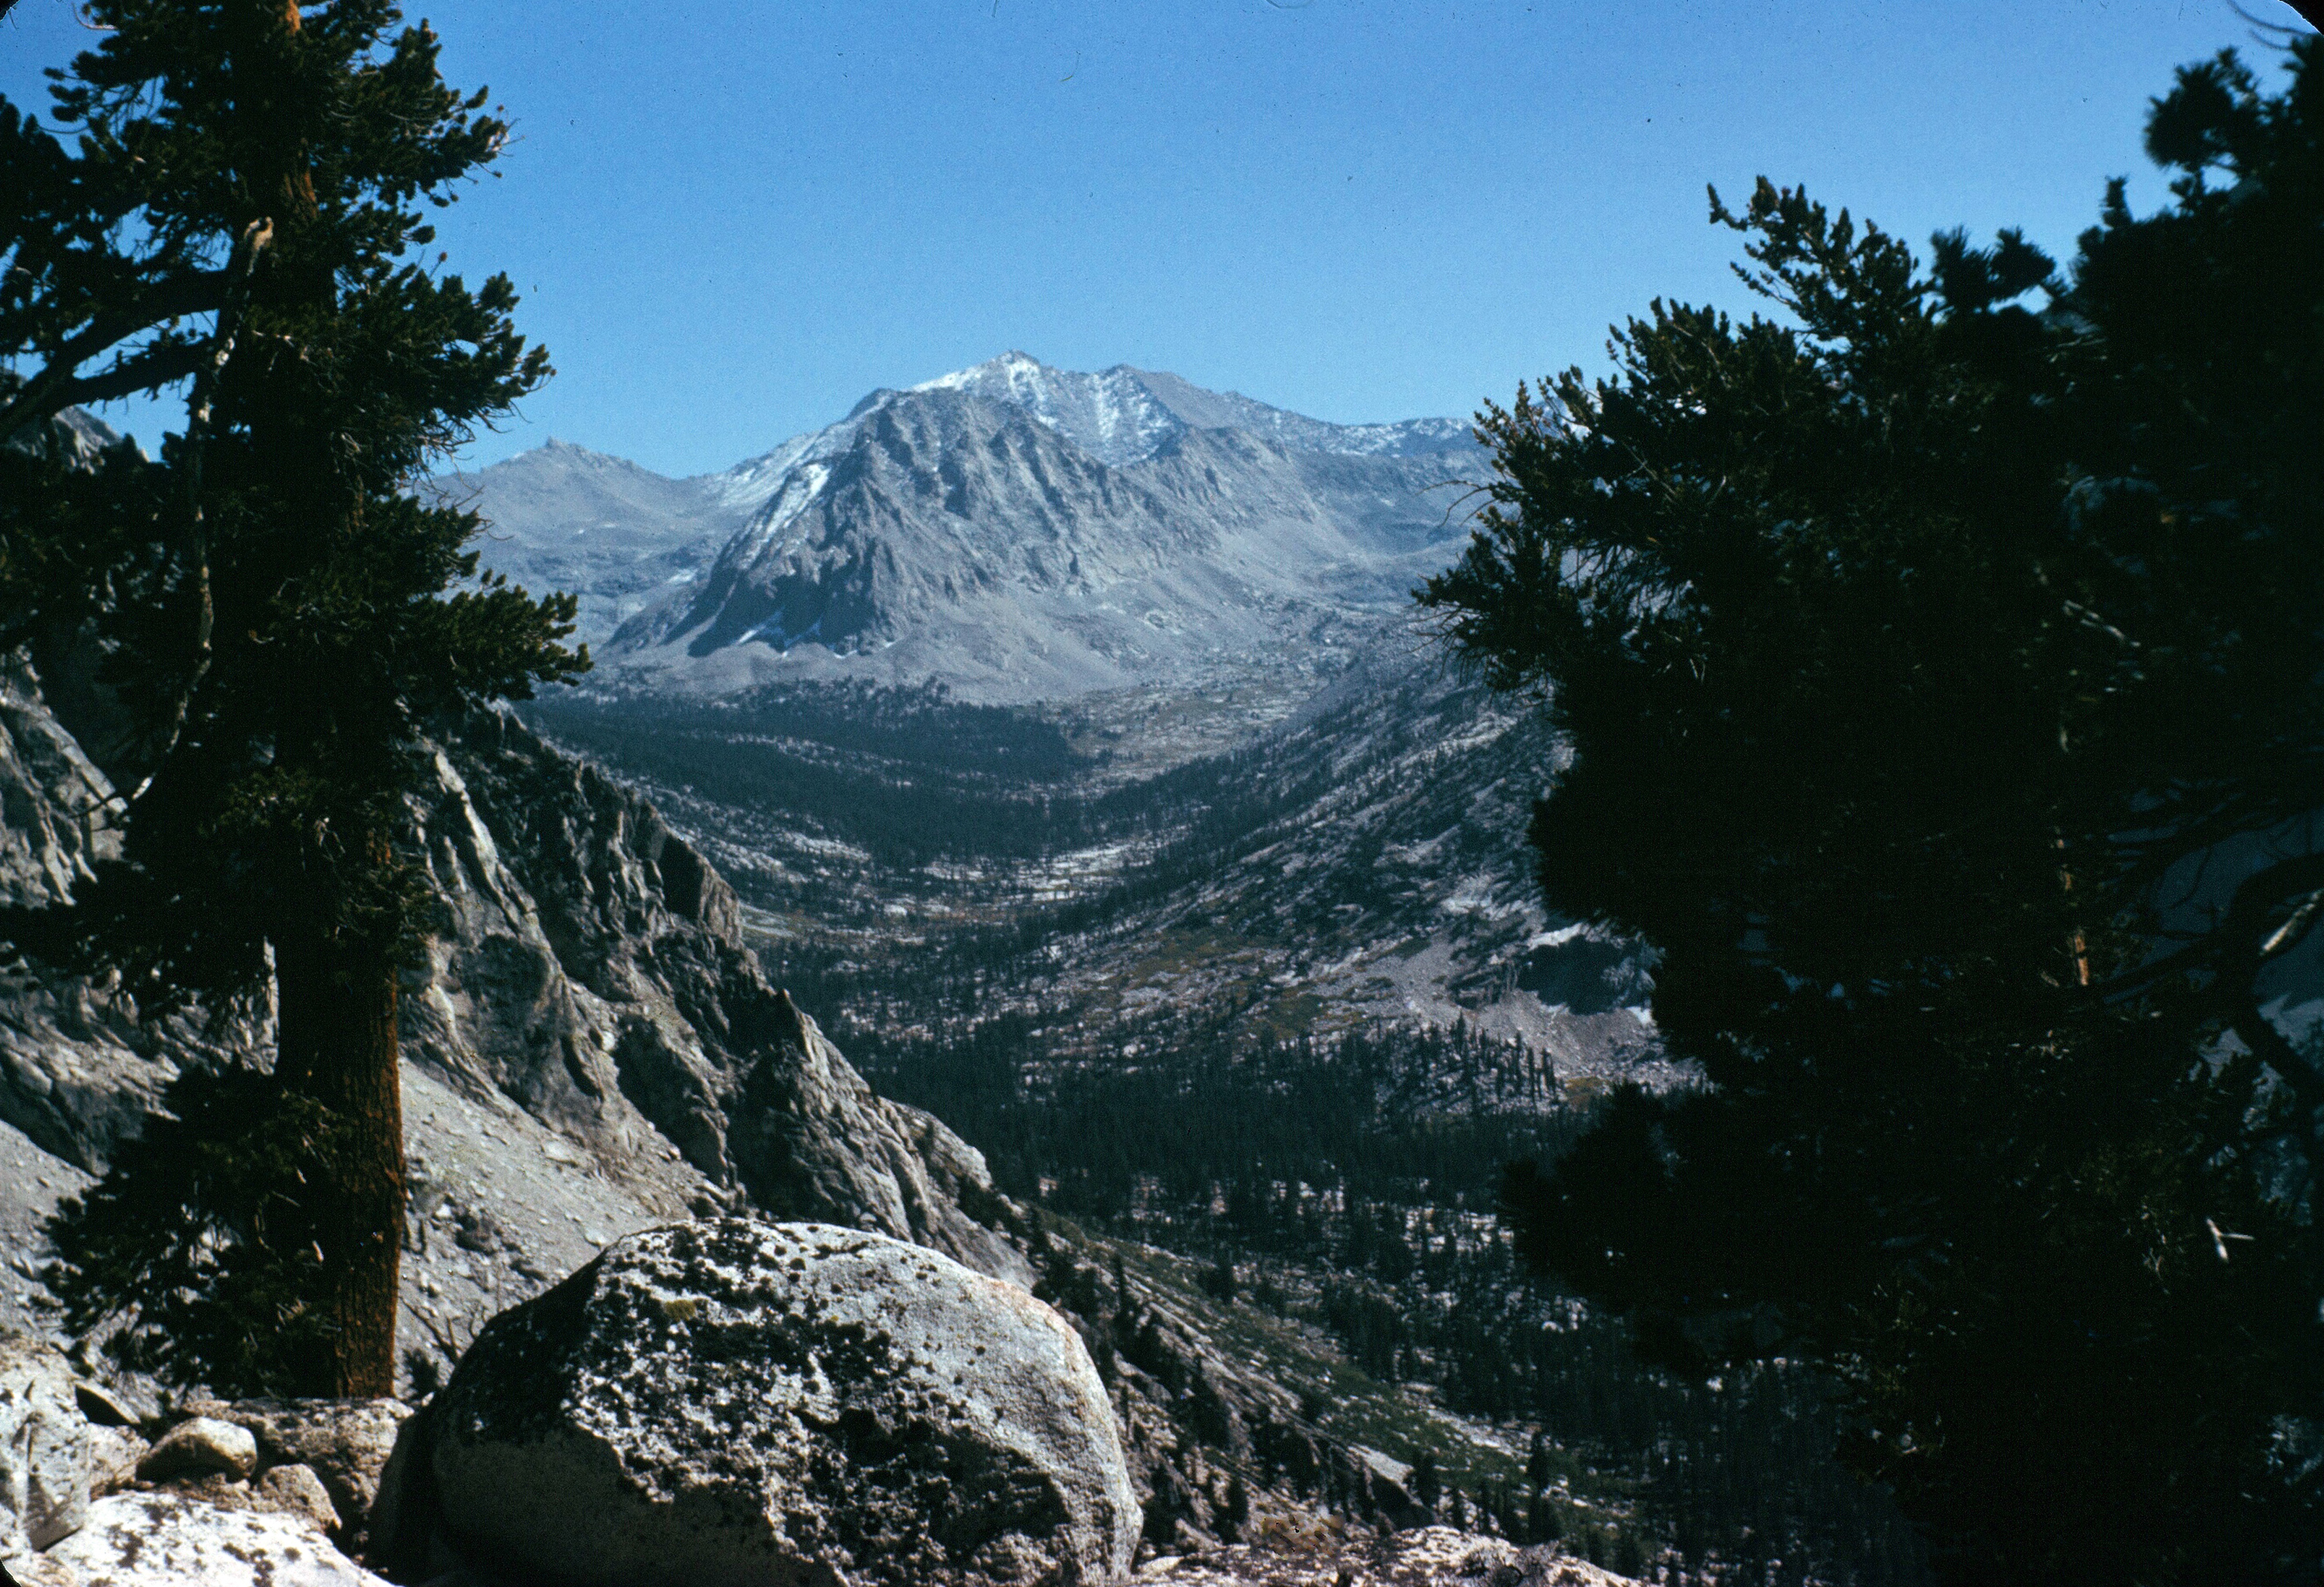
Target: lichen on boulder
[
  {"x": 168, "y": 1539},
  {"x": 744, "y": 1402}
]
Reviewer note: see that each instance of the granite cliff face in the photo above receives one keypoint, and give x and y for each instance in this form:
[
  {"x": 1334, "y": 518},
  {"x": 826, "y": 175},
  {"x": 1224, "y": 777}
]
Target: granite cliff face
[
  {"x": 593, "y": 972},
  {"x": 589, "y": 1047},
  {"x": 77, "y": 1070},
  {"x": 590, "y": 1051}
]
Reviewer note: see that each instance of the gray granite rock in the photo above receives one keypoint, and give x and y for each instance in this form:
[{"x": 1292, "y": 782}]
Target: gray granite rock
[
  {"x": 113, "y": 1456},
  {"x": 199, "y": 1446},
  {"x": 297, "y": 1491},
  {"x": 44, "y": 1454},
  {"x": 38, "y": 1569},
  {"x": 343, "y": 1443},
  {"x": 745, "y": 1402},
  {"x": 169, "y": 1540},
  {"x": 101, "y": 1406}
]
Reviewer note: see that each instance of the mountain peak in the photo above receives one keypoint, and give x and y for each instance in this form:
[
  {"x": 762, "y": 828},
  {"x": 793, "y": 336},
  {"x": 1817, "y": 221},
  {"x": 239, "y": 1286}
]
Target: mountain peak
[
  {"x": 555, "y": 450},
  {"x": 1028, "y": 530},
  {"x": 1013, "y": 365},
  {"x": 1124, "y": 414}
]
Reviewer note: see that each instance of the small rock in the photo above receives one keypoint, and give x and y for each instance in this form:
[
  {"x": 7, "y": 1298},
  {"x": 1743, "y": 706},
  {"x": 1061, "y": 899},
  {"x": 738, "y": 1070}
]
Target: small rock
[
  {"x": 296, "y": 1490},
  {"x": 346, "y": 1442},
  {"x": 169, "y": 1540},
  {"x": 217, "y": 1487},
  {"x": 113, "y": 1456},
  {"x": 101, "y": 1405},
  {"x": 45, "y": 1456},
  {"x": 204, "y": 1444}
]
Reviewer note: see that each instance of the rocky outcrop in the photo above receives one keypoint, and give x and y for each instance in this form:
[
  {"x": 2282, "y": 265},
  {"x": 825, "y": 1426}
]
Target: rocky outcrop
[
  {"x": 1427, "y": 1556},
  {"x": 685, "y": 1412},
  {"x": 594, "y": 971},
  {"x": 1198, "y": 1419},
  {"x": 590, "y": 1048},
  {"x": 80, "y": 1071},
  {"x": 86, "y": 1503},
  {"x": 341, "y": 1444},
  {"x": 744, "y": 1402},
  {"x": 44, "y": 1449}
]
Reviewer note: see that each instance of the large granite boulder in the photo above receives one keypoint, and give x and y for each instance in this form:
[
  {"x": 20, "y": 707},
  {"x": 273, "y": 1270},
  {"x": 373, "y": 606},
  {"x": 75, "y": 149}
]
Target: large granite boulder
[
  {"x": 742, "y": 1402},
  {"x": 44, "y": 1451}
]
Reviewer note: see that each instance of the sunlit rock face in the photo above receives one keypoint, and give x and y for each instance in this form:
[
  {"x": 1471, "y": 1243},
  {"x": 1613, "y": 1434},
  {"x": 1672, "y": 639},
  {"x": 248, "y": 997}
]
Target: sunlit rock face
[
  {"x": 1014, "y": 531},
  {"x": 589, "y": 1047}
]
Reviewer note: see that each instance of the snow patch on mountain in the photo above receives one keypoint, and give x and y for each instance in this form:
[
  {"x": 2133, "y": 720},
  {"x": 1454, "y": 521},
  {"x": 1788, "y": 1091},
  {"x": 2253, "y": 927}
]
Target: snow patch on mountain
[{"x": 1126, "y": 415}]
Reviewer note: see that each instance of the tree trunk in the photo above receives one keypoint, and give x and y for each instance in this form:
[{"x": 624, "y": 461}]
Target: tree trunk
[{"x": 336, "y": 1044}]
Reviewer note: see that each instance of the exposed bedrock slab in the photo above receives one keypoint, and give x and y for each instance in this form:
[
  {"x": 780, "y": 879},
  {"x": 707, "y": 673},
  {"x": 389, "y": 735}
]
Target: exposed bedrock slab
[
  {"x": 44, "y": 1454},
  {"x": 736, "y": 1402},
  {"x": 172, "y": 1540}
]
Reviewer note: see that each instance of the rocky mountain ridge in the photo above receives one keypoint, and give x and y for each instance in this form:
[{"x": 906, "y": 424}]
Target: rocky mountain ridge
[
  {"x": 1124, "y": 415},
  {"x": 1012, "y": 530},
  {"x": 562, "y": 517}
]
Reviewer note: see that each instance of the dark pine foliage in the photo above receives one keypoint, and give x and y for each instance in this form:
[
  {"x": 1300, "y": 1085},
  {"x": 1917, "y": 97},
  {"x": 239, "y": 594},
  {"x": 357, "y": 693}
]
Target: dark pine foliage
[
  {"x": 268, "y": 613},
  {"x": 1940, "y": 673}
]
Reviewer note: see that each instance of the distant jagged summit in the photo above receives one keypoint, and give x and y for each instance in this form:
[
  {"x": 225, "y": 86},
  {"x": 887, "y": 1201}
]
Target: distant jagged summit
[
  {"x": 563, "y": 517},
  {"x": 1013, "y": 529},
  {"x": 1125, "y": 415}
]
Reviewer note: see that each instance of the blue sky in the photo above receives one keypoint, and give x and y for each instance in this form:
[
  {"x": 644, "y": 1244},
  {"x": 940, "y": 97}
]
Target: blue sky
[{"x": 730, "y": 221}]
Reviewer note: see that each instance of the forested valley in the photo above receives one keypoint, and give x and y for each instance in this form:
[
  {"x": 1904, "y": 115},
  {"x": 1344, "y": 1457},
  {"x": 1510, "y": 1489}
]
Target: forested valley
[
  {"x": 1323, "y": 1165},
  {"x": 1720, "y": 972}
]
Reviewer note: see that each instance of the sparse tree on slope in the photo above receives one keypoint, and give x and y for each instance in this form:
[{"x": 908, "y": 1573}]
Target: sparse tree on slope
[
  {"x": 236, "y": 218},
  {"x": 1924, "y": 654}
]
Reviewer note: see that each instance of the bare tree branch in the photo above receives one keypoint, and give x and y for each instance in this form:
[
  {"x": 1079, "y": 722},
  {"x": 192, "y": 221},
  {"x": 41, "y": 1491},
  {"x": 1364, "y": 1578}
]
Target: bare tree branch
[{"x": 56, "y": 387}]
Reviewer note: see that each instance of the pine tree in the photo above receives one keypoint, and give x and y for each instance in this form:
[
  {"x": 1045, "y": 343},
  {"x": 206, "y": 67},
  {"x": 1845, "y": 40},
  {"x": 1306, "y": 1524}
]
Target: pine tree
[
  {"x": 1427, "y": 1486},
  {"x": 238, "y": 220},
  {"x": 1926, "y": 655},
  {"x": 1236, "y": 1512},
  {"x": 1538, "y": 1461},
  {"x": 1629, "y": 1556}
]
